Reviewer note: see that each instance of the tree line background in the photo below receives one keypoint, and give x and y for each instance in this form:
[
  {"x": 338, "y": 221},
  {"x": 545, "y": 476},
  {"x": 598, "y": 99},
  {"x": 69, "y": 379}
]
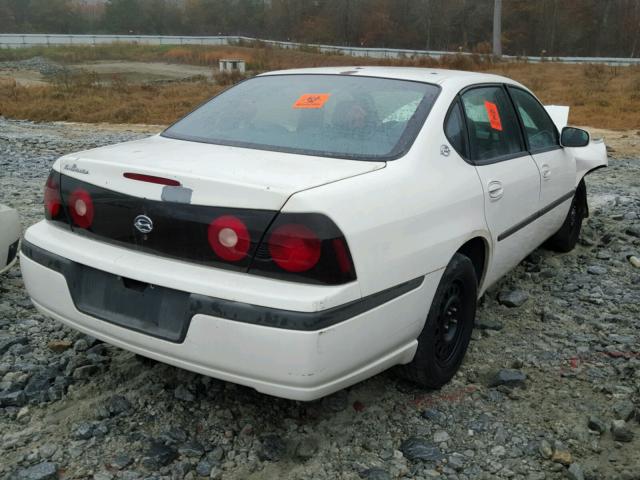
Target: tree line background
[{"x": 529, "y": 27}]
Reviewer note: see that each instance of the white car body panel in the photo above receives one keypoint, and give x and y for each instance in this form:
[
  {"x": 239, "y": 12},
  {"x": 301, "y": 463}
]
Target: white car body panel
[
  {"x": 520, "y": 191},
  {"x": 586, "y": 158},
  {"x": 286, "y": 363},
  {"x": 589, "y": 158},
  {"x": 189, "y": 277},
  {"x": 559, "y": 114},
  {"x": 9, "y": 234},
  {"x": 216, "y": 174},
  {"x": 557, "y": 178},
  {"x": 403, "y": 221},
  {"x": 416, "y": 239}
]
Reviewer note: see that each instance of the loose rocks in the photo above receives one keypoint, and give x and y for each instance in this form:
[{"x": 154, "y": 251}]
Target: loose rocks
[
  {"x": 513, "y": 298},
  {"x": 419, "y": 449},
  {"x": 41, "y": 471},
  {"x": 567, "y": 338}
]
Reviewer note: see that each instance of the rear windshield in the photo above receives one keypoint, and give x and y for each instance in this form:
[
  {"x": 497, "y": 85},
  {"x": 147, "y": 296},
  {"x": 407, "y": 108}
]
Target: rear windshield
[{"x": 324, "y": 115}]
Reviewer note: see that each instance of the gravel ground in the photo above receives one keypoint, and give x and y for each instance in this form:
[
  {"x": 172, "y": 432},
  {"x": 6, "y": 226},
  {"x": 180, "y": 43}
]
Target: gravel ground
[
  {"x": 550, "y": 388},
  {"x": 39, "y": 64},
  {"x": 41, "y": 71}
]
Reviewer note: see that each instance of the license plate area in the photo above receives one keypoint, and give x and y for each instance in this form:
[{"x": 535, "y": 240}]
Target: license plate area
[{"x": 150, "y": 309}]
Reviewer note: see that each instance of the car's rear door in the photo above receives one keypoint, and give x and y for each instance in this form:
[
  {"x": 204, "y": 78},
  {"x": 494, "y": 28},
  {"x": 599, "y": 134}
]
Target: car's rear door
[
  {"x": 510, "y": 177},
  {"x": 557, "y": 166}
]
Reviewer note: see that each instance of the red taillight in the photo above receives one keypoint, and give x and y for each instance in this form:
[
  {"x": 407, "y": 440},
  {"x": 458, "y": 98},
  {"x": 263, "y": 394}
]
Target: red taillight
[
  {"x": 342, "y": 255},
  {"x": 229, "y": 238},
  {"x": 81, "y": 208},
  {"x": 304, "y": 247},
  {"x": 52, "y": 201},
  {"x": 294, "y": 247},
  {"x": 141, "y": 177}
]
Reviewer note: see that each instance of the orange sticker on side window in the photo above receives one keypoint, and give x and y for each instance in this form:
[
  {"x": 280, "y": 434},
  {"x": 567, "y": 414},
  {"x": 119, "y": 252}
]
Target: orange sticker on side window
[
  {"x": 494, "y": 116},
  {"x": 312, "y": 100}
]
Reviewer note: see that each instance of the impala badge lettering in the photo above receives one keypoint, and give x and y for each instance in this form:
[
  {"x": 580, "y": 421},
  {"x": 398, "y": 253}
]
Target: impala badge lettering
[
  {"x": 76, "y": 169},
  {"x": 143, "y": 224}
]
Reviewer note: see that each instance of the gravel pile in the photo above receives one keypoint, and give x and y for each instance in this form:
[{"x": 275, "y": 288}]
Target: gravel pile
[
  {"x": 550, "y": 388},
  {"x": 39, "y": 64}
]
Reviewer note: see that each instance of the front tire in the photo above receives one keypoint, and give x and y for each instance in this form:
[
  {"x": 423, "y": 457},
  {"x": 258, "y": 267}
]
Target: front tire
[
  {"x": 445, "y": 336},
  {"x": 566, "y": 238}
]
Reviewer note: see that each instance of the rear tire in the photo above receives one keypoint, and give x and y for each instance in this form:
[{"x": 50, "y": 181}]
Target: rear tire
[
  {"x": 566, "y": 238},
  {"x": 445, "y": 336}
]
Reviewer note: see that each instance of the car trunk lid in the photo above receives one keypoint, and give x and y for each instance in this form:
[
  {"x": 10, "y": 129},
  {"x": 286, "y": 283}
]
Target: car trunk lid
[
  {"x": 214, "y": 175},
  {"x": 214, "y": 188}
]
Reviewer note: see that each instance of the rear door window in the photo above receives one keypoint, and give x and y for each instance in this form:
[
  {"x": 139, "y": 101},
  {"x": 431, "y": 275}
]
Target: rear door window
[
  {"x": 494, "y": 132},
  {"x": 539, "y": 129}
]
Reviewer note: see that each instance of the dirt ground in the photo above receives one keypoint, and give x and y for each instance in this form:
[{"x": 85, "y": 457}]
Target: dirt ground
[
  {"x": 26, "y": 78},
  {"x": 144, "y": 71},
  {"x": 106, "y": 70},
  {"x": 624, "y": 143}
]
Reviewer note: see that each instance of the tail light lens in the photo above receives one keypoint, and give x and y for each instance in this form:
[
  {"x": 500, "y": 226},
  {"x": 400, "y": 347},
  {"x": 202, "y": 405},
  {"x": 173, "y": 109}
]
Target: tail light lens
[
  {"x": 299, "y": 247},
  {"x": 52, "y": 199},
  {"x": 305, "y": 247},
  {"x": 229, "y": 238},
  {"x": 81, "y": 208},
  {"x": 294, "y": 247},
  {"x": 221, "y": 237},
  {"x": 343, "y": 256}
]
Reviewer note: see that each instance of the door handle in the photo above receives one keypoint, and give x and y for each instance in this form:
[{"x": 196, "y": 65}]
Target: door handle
[
  {"x": 546, "y": 171},
  {"x": 495, "y": 190}
]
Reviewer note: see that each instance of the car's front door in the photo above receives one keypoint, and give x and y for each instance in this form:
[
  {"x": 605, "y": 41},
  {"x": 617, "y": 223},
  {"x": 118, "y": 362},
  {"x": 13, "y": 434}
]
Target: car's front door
[
  {"x": 509, "y": 175},
  {"x": 557, "y": 166}
]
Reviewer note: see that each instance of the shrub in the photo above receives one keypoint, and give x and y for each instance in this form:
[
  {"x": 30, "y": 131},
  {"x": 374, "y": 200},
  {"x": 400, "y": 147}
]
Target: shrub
[{"x": 229, "y": 78}]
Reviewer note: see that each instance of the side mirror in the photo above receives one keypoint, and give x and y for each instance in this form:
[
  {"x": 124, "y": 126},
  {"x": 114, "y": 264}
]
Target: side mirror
[{"x": 574, "y": 137}]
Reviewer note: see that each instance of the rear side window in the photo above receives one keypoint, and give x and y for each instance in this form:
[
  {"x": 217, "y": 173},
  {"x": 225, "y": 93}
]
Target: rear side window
[
  {"x": 540, "y": 130},
  {"x": 454, "y": 130},
  {"x": 493, "y": 128},
  {"x": 343, "y": 116}
]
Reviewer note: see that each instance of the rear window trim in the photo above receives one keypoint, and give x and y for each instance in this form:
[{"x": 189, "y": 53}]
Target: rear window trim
[{"x": 411, "y": 134}]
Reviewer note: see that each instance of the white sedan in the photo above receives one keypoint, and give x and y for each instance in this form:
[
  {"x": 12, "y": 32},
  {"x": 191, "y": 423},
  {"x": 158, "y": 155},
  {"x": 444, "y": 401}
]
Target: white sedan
[
  {"x": 9, "y": 237},
  {"x": 307, "y": 229}
]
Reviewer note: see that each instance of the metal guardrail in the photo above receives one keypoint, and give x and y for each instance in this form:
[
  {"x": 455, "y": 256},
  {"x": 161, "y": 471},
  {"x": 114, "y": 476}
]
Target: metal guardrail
[{"x": 32, "y": 40}]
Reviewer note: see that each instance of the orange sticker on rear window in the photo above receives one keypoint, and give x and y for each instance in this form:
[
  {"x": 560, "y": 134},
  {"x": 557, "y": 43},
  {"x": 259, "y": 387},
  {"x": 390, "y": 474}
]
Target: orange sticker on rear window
[
  {"x": 494, "y": 116},
  {"x": 312, "y": 100}
]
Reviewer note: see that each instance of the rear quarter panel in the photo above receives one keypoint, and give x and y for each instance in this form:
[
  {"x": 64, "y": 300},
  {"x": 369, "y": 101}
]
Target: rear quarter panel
[{"x": 407, "y": 219}]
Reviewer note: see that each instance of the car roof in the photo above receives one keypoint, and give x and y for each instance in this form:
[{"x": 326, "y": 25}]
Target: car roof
[{"x": 443, "y": 77}]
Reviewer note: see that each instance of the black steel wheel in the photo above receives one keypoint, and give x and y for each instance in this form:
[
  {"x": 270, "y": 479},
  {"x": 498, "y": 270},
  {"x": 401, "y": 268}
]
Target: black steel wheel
[
  {"x": 445, "y": 336},
  {"x": 448, "y": 333}
]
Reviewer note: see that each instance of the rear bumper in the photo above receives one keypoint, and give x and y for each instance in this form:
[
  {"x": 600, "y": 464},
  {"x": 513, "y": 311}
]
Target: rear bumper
[{"x": 300, "y": 364}]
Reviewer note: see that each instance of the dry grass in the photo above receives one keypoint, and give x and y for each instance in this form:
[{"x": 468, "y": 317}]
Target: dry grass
[
  {"x": 599, "y": 96},
  {"x": 81, "y": 100}
]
